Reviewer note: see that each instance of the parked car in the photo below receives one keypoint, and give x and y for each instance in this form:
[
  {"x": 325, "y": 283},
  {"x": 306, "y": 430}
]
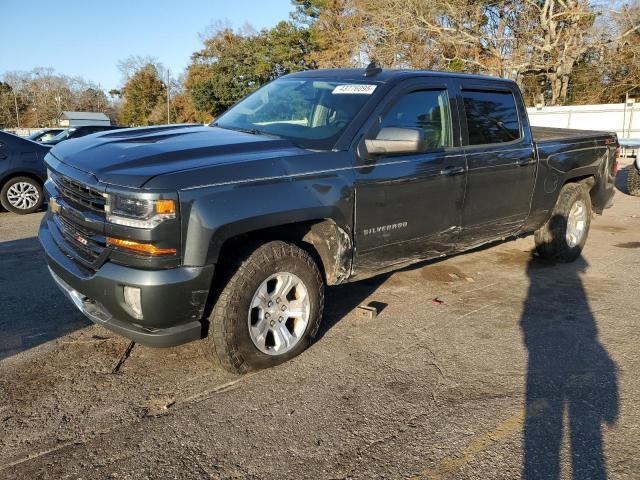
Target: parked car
[
  {"x": 230, "y": 232},
  {"x": 45, "y": 135},
  {"x": 22, "y": 173},
  {"x": 77, "y": 132}
]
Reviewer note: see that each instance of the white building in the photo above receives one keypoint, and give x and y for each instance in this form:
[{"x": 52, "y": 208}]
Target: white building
[{"x": 77, "y": 119}]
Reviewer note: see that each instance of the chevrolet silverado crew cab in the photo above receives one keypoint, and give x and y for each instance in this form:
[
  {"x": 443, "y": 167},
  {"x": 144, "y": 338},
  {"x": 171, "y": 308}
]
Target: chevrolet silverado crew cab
[{"x": 229, "y": 232}]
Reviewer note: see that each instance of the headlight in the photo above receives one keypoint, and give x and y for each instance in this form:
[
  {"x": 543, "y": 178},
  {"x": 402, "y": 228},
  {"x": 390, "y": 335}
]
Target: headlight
[{"x": 138, "y": 212}]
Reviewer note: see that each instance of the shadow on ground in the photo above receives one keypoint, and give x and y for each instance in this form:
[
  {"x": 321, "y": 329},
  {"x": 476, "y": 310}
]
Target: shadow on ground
[
  {"x": 32, "y": 309},
  {"x": 570, "y": 375}
]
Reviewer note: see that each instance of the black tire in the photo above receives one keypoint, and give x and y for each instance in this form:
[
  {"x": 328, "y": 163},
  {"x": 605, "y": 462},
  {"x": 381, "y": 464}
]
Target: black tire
[
  {"x": 633, "y": 182},
  {"x": 228, "y": 342},
  {"x": 551, "y": 239},
  {"x": 21, "y": 180}
]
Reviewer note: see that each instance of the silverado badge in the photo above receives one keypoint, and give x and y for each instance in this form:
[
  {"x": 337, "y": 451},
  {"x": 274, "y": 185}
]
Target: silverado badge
[{"x": 385, "y": 228}]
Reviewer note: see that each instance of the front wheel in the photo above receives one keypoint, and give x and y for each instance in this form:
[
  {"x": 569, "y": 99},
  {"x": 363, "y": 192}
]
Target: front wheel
[
  {"x": 633, "y": 182},
  {"x": 269, "y": 310},
  {"x": 21, "y": 195},
  {"x": 563, "y": 237}
]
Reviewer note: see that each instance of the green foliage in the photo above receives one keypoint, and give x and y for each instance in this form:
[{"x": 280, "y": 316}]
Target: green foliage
[
  {"x": 307, "y": 11},
  {"x": 92, "y": 100},
  {"x": 456, "y": 65},
  {"x": 232, "y": 65},
  {"x": 141, "y": 93},
  {"x": 591, "y": 56},
  {"x": 42, "y": 94},
  {"x": 7, "y": 107}
]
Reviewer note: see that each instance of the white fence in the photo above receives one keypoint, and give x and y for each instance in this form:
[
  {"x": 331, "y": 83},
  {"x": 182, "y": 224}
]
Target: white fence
[
  {"x": 23, "y": 132},
  {"x": 624, "y": 119}
]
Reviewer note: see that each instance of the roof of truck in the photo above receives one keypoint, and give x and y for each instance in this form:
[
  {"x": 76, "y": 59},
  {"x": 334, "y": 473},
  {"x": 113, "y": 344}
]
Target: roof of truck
[{"x": 385, "y": 75}]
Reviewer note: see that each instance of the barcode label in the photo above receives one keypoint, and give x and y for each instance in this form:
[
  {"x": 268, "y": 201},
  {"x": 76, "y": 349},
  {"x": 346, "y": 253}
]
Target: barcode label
[{"x": 354, "y": 89}]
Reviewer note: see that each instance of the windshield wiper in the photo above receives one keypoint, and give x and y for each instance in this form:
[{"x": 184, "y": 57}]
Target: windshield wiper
[{"x": 252, "y": 131}]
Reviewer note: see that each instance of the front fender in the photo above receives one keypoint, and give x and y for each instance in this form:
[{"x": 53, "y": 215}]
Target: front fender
[{"x": 212, "y": 215}]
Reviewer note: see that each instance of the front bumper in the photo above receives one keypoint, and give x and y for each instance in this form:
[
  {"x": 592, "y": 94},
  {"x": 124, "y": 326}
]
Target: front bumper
[{"x": 173, "y": 300}]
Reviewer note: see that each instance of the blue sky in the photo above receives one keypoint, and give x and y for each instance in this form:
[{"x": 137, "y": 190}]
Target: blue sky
[{"x": 88, "y": 37}]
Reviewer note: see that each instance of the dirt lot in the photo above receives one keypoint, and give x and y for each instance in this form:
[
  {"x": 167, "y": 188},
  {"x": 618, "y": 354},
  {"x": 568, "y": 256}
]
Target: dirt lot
[{"x": 526, "y": 367}]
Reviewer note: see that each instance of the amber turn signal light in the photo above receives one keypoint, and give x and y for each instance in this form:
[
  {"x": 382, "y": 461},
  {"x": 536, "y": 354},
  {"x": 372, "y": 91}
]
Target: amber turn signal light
[
  {"x": 165, "y": 206},
  {"x": 140, "y": 247}
]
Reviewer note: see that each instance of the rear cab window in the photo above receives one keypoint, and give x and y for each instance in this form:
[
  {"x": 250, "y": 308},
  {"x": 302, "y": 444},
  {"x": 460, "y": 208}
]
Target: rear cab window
[{"x": 492, "y": 117}]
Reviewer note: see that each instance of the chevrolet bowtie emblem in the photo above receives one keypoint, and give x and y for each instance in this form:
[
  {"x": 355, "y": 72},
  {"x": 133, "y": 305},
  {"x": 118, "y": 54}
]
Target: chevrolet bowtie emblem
[{"x": 54, "y": 206}]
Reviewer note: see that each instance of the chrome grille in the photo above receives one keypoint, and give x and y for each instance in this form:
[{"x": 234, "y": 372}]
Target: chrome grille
[
  {"x": 78, "y": 220},
  {"x": 89, "y": 252},
  {"x": 79, "y": 193}
]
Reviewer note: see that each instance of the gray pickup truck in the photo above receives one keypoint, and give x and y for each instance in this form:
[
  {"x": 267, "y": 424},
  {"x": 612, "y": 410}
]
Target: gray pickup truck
[{"x": 229, "y": 233}]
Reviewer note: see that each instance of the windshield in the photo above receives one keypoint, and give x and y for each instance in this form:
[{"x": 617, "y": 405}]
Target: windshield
[
  {"x": 36, "y": 134},
  {"x": 63, "y": 134},
  {"x": 311, "y": 113}
]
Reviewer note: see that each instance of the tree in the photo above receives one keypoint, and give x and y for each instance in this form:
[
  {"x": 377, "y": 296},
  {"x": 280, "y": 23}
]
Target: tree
[
  {"x": 7, "y": 107},
  {"x": 233, "y": 64},
  {"x": 16, "y": 81},
  {"x": 134, "y": 63},
  {"x": 337, "y": 30},
  {"x": 538, "y": 43},
  {"x": 141, "y": 93},
  {"x": 40, "y": 96},
  {"x": 611, "y": 72},
  {"x": 91, "y": 100}
]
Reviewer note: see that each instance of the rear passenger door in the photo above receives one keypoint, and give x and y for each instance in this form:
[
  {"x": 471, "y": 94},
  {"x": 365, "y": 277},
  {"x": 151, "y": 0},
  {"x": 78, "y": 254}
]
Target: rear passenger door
[
  {"x": 409, "y": 207},
  {"x": 500, "y": 159}
]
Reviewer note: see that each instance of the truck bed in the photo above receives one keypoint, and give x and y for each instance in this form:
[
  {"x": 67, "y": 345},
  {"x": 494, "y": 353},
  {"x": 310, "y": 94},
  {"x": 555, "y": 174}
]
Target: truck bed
[{"x": 551, "y": 134}]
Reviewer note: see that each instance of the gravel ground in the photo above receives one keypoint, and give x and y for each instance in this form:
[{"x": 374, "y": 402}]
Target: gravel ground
[{"x": 526, "y": 369}]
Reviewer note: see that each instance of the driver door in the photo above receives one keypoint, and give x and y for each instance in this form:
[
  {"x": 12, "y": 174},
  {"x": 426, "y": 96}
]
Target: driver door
[{"x": 408, "y": 207}]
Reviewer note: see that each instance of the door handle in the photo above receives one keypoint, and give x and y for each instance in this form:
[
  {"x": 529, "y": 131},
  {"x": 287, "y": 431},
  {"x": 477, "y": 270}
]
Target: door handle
[
  {"x": 449, "y": 171},
  {"x": 524, "y": 162}
]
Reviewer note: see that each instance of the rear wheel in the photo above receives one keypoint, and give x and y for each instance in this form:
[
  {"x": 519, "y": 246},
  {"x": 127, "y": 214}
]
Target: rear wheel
[
  {"x": 563, "y": 237},
  {"x": 21, "y": 195},
  {"x": 269, "y": 310},
  {"x": 633, "y": 182}
]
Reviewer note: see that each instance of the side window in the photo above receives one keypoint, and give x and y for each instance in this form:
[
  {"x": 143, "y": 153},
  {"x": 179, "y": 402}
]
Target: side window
[
  {"x": 492, "y": 117},
  {"x": 424, "y": 109}
]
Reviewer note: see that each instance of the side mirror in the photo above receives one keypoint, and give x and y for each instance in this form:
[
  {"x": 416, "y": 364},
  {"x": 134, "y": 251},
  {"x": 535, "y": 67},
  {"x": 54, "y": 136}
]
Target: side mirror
[{"x": 397, "y": 140}]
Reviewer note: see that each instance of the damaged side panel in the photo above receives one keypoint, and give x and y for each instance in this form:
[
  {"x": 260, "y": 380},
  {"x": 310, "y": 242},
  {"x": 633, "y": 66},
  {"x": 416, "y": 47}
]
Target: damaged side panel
[
  {"x": 335, "y": 248},
  {"x": 564, "y": 161},
  {"x": 216, "y": 213}
]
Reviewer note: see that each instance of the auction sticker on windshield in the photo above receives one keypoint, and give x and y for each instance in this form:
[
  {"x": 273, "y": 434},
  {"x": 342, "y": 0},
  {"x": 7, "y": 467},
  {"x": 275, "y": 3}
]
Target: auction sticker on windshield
[{"x": 354, "y": 88}]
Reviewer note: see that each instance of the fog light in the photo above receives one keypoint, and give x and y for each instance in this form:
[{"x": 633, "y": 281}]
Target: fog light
[{"x": 132, "y": 299}]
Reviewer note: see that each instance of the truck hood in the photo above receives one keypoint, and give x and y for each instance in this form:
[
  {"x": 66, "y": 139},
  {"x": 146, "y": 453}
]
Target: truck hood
[{"x": 131, "y": 157}]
